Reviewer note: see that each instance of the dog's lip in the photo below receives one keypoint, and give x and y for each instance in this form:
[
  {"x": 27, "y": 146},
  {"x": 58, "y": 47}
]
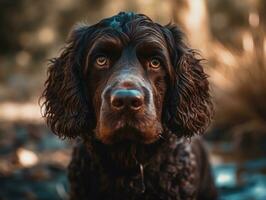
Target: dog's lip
[
  {"x": 129, "y": 133},
  {"x": 125, "y": 123}
]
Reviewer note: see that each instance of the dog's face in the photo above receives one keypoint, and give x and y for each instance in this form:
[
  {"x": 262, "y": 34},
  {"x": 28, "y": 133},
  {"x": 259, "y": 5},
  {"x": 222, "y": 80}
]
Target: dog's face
[
  {"x": 127, "y": 81},
  {"x": 125, "y": 77}
]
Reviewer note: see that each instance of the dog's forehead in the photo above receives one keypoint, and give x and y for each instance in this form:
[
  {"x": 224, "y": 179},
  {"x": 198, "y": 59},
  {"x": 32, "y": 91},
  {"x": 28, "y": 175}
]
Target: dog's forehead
[
  {"x": 117, "y": 21},
  {"x": 120, "y": 19},
  {"x": 129, "y": 22},
  {"x": 131, "y": 28}
]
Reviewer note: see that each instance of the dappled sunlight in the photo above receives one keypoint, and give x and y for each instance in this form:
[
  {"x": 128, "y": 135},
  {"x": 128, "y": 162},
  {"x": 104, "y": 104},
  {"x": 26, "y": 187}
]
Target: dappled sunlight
[
  {"x": 248, "y": 43},
  {"x": 23, "y": 58},
  {"x": 26, "y": 157},
  {"x": 264, "y": 47},
  {"x": 12, "y": 111},
  {"x": 254, "y": 19},
  {"x": 46, "y": 35}
]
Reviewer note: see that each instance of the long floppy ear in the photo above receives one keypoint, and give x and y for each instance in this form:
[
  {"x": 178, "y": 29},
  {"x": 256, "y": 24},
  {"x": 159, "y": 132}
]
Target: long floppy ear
[
  {"x": 189, "y": 107},
  {"x": 65, "y": 107}
]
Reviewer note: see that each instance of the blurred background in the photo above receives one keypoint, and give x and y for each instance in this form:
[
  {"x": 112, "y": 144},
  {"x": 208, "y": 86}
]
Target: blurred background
[{"x": 230, "y": 35}]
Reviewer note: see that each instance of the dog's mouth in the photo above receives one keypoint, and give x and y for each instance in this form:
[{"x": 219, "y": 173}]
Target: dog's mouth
[{"x": 129, "y": 132}]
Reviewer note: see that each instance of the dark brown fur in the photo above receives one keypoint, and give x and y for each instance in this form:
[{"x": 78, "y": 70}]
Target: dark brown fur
[{"x": 114, "y": 145}]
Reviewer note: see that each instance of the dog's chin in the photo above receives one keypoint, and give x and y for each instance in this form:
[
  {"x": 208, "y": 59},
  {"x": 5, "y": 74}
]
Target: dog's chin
[{"x": 128, "y": 135}]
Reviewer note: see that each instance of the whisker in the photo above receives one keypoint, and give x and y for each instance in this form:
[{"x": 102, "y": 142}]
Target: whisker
[{"x": 161, "y": 136}]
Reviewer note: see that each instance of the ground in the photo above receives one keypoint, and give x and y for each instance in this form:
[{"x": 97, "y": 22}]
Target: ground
[{"x": 33, "y": 166}]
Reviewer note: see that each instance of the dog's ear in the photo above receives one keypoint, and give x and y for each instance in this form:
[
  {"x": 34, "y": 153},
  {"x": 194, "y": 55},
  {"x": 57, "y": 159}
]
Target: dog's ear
[
  {"x": 65, "y": 107},
  {"x": 189, "y": 107}
]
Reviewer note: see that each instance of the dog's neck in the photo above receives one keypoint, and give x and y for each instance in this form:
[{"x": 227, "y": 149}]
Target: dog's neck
[
  {"x": 129, "y": 164},
  {"x": 125, "y": 157}
]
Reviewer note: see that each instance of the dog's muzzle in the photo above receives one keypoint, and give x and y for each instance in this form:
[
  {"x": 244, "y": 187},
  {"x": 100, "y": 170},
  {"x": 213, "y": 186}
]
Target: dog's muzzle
[
  {"x": 128, "y": 111},
  {"x": 126, "y": 99},
  {"x": 127, "y": 93}
]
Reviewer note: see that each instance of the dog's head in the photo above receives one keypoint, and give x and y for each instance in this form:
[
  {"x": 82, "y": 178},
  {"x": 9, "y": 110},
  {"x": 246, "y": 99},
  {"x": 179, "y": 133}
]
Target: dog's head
[{"x": 126, "y": 78}]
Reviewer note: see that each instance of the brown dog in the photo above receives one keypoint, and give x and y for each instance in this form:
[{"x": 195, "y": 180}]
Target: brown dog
[{"x": 132, "y": 90}]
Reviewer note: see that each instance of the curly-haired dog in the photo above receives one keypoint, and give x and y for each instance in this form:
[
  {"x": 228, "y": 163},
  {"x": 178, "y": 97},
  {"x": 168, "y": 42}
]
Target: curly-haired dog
[{"x": 133, "y": 92}]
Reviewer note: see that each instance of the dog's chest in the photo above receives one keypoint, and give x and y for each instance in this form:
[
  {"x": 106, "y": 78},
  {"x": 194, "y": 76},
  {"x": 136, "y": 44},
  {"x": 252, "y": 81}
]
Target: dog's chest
[{"x": 169, "y": 175}]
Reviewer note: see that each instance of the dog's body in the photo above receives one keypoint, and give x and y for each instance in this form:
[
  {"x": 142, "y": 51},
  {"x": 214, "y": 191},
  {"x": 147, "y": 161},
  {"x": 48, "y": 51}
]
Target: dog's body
[
  {"x": 133, "y": 91},
  {"x": 177, "y": 170}
]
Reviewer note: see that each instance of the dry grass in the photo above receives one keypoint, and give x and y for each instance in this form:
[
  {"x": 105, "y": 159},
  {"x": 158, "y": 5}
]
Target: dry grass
[{"x": 239, "y": 82}]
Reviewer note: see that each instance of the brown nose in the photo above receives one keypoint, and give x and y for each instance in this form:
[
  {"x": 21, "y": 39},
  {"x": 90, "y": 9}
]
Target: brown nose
[{"x": 127, "y": 98}]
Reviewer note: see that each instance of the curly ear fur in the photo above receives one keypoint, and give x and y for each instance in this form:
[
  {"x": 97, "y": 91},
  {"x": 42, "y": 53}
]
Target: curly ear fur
[
  {"x": 189, "y": 104},
  {"x": 66, "y": 109},
  {"x": 69, "y": 113}
]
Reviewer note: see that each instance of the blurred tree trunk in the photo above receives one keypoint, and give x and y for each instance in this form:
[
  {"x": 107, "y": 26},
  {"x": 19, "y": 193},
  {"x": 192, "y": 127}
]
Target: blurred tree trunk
[
  {"x": 258, "y": 31},
  {"x": 193, "y": 17}
]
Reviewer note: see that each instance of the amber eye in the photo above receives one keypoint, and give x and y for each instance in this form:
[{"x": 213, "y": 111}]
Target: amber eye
[
  {"x": 102, "y": 61},
  {"x": 155, "y": 63}
]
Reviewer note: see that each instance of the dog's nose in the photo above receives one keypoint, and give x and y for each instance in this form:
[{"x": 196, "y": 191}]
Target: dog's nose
[{"x": 127, "y": 98}]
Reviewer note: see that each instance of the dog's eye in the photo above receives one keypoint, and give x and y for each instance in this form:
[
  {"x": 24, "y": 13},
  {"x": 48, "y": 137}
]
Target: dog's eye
[
  {"x": 155, "y": 63},
  {"x": 102, "y": 61}
]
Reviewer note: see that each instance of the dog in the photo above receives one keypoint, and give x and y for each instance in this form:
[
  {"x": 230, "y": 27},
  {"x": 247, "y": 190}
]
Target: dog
[{"x": 136, "y": 97}]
